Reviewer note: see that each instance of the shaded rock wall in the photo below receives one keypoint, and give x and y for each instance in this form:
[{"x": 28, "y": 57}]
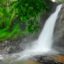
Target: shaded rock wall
[{"x": 59, "y": 32}]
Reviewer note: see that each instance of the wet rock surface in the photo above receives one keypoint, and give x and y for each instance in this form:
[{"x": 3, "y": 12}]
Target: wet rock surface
[
  {"x": 59, "y": 33},
  {"x": 49, "y": 59},
  {"x": 36, "y": 60},
  {"x": 9, "y": 47}
]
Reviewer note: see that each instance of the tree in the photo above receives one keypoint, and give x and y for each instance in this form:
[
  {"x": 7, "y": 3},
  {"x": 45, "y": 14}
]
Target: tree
[{"x": 20, "y": 17}]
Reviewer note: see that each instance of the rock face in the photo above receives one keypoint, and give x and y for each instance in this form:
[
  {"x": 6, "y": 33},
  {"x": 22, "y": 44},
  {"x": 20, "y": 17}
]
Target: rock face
[{"x": 58, "y": 37}]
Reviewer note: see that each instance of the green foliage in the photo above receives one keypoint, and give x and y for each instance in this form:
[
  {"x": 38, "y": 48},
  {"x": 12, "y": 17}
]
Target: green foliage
[
  {"x": 20, "y": 17},
  {"x": 60, "y": 1},
  {"x": 31, "y": 8}
]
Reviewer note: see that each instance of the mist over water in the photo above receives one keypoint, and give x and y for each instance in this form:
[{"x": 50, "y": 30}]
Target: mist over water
[{"x": 43, "y": 45}]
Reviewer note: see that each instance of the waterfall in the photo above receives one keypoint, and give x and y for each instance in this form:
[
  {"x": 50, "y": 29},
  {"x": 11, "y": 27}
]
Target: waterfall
[
  {"x": 43, "y": 45},
  {"x": 45, "y": 39}
]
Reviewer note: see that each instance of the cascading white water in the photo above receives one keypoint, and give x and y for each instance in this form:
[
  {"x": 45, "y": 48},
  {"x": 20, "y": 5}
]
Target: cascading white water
[
  {"x": 45, "y": 39},
  {"x": 44, "y": 43}
]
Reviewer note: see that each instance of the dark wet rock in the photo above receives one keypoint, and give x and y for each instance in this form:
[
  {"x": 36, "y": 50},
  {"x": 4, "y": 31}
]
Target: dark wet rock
[
  {"x": 47, "y": 60},
  {"x": 51, "y": 62},
  {"x": 9, "y": 47},
  {"x": 1, "y": 62},
  {"x": 59, "y": 33}
]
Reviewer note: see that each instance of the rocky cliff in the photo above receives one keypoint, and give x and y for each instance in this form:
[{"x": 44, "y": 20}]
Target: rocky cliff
[{"x": 58, "y": 36}]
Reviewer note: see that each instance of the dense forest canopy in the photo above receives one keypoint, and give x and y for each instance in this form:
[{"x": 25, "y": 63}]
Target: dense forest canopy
[{"x": 20, "y": 17}]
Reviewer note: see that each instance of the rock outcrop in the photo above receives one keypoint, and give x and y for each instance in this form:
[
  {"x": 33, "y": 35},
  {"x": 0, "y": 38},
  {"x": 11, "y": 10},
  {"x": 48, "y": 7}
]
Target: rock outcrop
[{"x": 58, "y": 36}]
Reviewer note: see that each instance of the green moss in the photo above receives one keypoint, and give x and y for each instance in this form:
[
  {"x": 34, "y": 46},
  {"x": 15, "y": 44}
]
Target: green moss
[
  {"x": 60, "y": 1},
  {"x": 20, "y": 17}
]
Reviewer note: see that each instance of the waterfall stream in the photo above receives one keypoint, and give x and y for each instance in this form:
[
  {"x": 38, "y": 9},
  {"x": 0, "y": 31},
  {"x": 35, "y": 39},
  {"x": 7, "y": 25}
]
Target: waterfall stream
[{"x": 43, "y": 45}]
